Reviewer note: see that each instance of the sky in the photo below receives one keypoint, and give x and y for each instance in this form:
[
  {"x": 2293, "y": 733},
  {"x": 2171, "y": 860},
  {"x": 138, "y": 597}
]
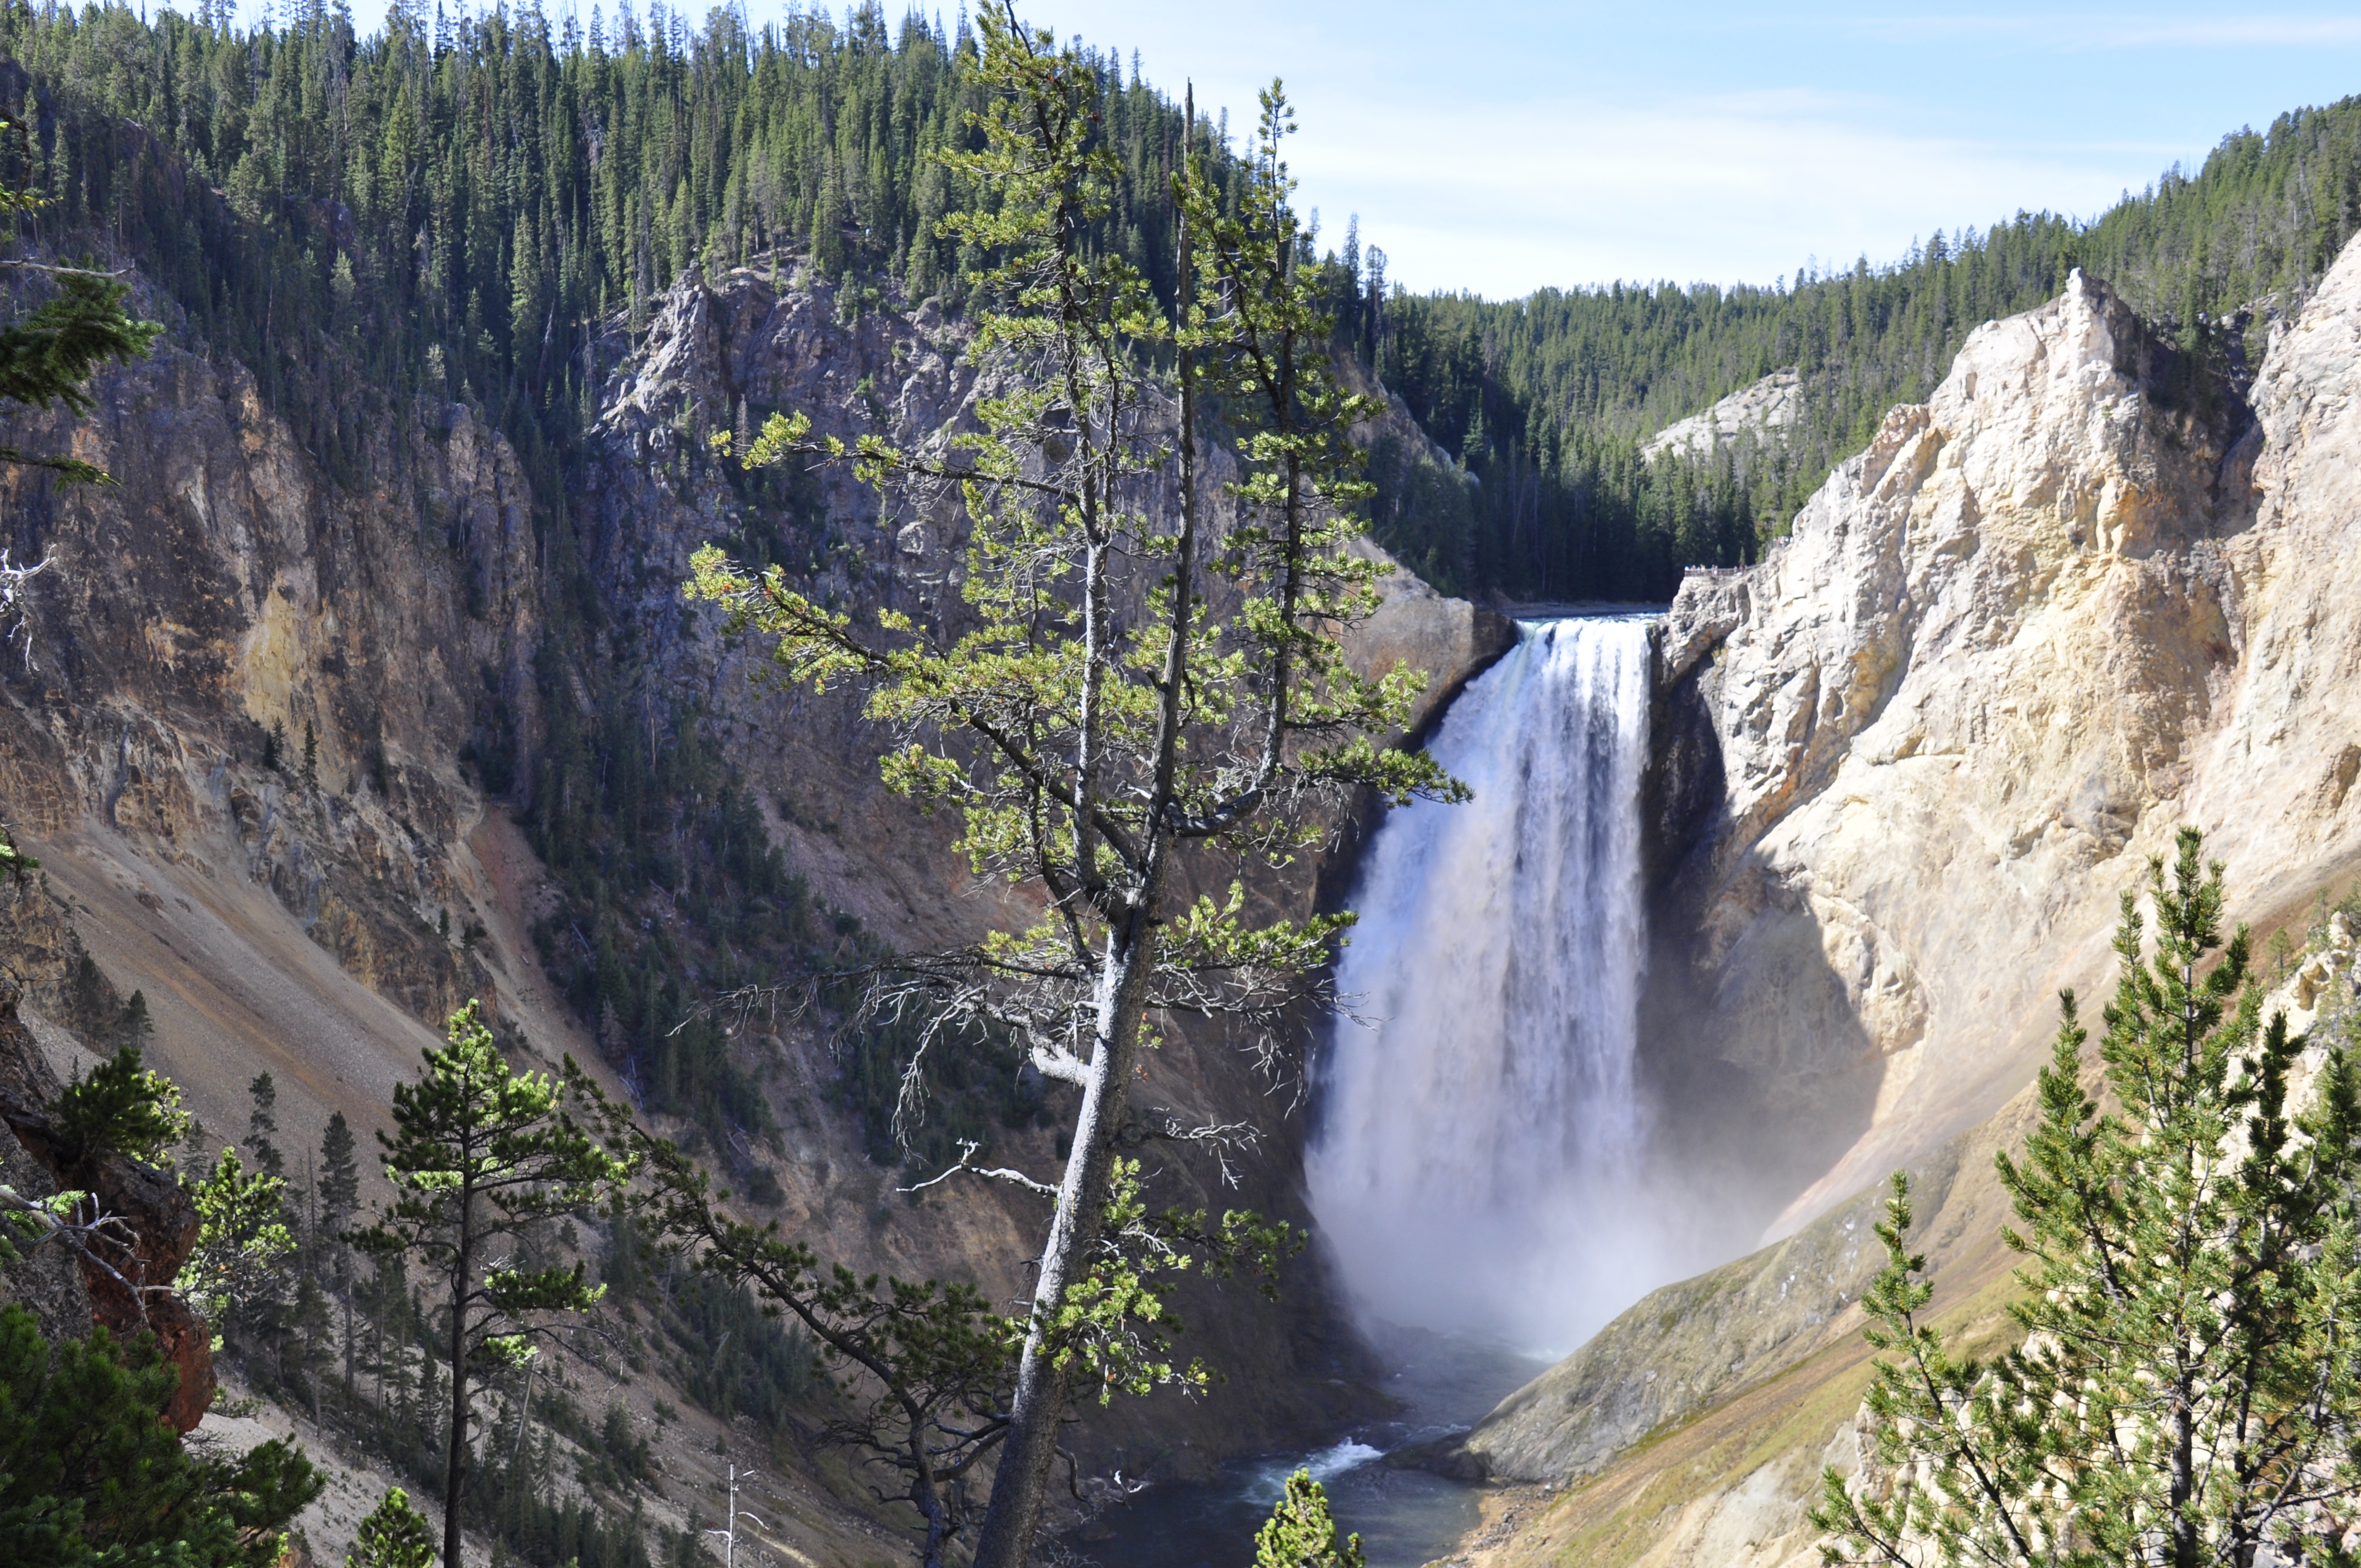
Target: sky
[{"x": 1500, "y": 145}]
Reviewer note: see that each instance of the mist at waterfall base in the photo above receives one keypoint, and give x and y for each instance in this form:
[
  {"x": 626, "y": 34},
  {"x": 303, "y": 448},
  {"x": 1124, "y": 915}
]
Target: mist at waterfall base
[
  {"x": 1479, "y": 1158},
  {"x": 1478, "y": 1170}
]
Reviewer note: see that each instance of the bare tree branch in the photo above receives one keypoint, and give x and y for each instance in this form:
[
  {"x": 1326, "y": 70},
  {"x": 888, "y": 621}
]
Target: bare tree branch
[{"x": 998, "y": 1173}]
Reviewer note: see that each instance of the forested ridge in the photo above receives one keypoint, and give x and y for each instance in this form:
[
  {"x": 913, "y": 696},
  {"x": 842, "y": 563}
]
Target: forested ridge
[
  {"x": 458, "y": 203},
  {"x": 1547, "y": 400}
]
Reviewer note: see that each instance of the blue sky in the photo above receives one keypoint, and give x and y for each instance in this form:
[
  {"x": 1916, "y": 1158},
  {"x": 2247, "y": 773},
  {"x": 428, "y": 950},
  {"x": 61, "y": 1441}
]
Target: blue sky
[{"x": 1500, "y": 146}]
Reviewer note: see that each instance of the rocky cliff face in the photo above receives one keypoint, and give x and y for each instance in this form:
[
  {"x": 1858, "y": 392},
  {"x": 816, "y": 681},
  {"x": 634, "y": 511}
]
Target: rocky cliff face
[
  {"x": 1764, "y": 408},
  {"x": 1924, "y": 745},
  {"x": 1911, "y": 763},
  {"x": 257, "y": 739}
]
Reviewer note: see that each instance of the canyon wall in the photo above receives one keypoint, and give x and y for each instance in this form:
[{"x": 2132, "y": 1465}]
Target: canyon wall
[
  {"x": 272, "y": 733},
  {"x": 1910, "y": 763},
  {"x": 1918, "y": 751}
]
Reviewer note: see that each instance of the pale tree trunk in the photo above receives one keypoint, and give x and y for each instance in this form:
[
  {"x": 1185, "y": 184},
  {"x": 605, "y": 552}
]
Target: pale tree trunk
[
  {"x": 2185, "y": 1550},
  {"x": 1026, "y": 1455}
]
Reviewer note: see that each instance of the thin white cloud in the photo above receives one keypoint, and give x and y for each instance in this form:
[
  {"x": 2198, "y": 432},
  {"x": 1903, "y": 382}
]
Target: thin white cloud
[
  {"x": 1739, "y": 187},
  {"x": 2088, "y": 31}
]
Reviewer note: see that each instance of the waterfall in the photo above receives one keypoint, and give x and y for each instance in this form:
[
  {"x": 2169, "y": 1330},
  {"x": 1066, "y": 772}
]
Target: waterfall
[{"x": 1480, "y": 1130}]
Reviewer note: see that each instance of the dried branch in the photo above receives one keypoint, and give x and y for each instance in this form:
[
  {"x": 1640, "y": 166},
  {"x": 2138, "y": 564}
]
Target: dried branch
[
  {"x": 998, "y": 1173},
  {"x": 63, "y": 271}
]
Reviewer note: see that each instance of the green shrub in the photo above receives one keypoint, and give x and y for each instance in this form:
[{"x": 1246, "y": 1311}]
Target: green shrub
[
  {"x": 92, "y": 1477},
  {"x": 121, "y": 1108}
]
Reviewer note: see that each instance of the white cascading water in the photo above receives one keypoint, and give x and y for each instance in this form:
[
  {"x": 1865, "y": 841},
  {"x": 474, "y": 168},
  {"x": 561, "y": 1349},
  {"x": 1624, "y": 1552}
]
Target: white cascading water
[{"x": 1475, "y": 1166}]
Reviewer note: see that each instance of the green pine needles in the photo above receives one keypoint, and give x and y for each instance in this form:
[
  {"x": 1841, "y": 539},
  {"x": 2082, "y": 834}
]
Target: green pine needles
[
  {"x": 392, "y": 1535},
  {"x": 1144, "y": 673},
  {"x": 14, "y": 862},
  {"x": 123, "y": 1107},
  {"x": 242, "y": 1240},
  {"x": 479, "y": 1157},
  {"x": 1303, "y": 1533},
  {"x": 47, "y": 355},
  {"x": 91, "y": 1477},
  {"x": 2187, "y": 1389}
]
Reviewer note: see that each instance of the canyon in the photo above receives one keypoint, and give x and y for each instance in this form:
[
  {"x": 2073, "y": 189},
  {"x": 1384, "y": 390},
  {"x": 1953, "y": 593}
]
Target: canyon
[
  {"x": 230, "y": 606},
  {"x": 1908, "y": 768},
  {"x": 1898, "y": 775}
]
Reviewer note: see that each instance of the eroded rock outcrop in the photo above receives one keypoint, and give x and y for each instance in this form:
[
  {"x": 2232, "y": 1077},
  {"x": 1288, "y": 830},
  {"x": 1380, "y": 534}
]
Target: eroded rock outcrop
[
  {"x": 1938, "y": 729},
  {"x": 1764, "y": 409},
  {"x": 2077, "y": 599},
  {"x": 142, "y": 1229}
]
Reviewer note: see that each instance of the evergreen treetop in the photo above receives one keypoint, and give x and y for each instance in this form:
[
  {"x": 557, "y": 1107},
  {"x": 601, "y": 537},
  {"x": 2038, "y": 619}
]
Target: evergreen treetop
[
  {"x": 2186, "y": 1388},
  {"x": 1303, "y": 1533},
  {"x": 92, "y": 1476},
  {"x": 481, "y": 1154}
]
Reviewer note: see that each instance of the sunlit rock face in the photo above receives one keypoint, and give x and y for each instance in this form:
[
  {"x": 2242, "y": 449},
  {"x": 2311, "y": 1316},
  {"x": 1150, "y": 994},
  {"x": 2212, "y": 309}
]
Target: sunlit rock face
[
  {"x": 1942, "y": 726},
  {"x": 1905, "y": 770}
]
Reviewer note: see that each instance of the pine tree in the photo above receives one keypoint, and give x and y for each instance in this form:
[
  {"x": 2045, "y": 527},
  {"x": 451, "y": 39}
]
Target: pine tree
[
  {"x": 311, "y": 1320},
  {"x": 2189, "y": 1382},
  {"x": 243, "y": 1244},
  {"x": 46, "y": 357},
  {"x": 134, "y": 1028},
  {"x": 89, "y": 998},
  {"x": 262, "y": 1124},
  {"x": 1109, "y": 746},
  {"x": 340, "y": 1179},
  {"x": 480, "y": 1155},
  {"x": 826, "y": 241},
  {"x": 91, "y": 1477},
  {"x": 1301, "y": 1534},
  {"x": 340, "y": 1199},
  {"x": 392, "y": 1535},
  {"x": 121, "y": 1108}
]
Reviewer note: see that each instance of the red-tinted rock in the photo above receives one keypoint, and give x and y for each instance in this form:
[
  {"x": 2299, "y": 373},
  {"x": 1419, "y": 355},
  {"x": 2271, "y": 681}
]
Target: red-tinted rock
[{"x": 130, "y": 1273}]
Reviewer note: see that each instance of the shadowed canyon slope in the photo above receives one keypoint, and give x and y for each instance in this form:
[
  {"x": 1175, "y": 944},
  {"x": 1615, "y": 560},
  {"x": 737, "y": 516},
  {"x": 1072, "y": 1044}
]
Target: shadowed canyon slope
[
  {"x": 1907, "y": 767},
  {"x": 425, "y": 632}
]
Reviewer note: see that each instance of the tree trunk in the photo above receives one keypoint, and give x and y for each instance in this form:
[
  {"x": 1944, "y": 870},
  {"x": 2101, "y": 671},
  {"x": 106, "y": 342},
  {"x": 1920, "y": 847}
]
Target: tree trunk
[
  {"x": 454, "y": 1468},
  {"x": 524, "y": 1418},
  {"x": 1030, "y": 1449},
  {"x": 2183, "y": 1482}
]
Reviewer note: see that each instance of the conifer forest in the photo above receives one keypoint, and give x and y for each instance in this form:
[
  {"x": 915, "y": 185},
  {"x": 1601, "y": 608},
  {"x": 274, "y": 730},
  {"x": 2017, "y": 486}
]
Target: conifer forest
[{"x": 808, "y": 788}]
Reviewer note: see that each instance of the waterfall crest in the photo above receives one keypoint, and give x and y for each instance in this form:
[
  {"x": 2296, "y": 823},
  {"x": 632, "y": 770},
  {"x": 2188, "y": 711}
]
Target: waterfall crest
[{"x": 1476, "y": 1164}]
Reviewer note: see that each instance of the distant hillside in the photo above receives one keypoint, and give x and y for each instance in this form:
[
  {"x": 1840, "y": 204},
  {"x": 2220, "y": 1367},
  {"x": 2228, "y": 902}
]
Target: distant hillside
[
  {"x": 1547, "y": 400},
  {"x": 456, "y": 206},
  {"x": 460, "y": 204}
]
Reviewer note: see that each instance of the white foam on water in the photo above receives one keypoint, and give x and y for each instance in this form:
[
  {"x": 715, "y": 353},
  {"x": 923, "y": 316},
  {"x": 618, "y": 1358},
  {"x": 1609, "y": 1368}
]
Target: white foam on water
[{"x": 1269, "y": 1483}]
